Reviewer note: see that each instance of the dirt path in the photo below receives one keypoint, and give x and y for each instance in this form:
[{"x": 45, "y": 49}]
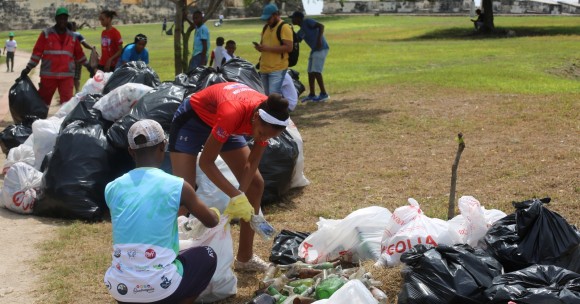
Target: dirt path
[{"x": 20, "y": 235}]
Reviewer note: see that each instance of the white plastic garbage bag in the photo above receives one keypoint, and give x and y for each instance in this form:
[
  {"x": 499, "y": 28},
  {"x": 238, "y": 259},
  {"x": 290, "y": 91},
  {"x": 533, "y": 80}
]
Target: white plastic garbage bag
[
  {"x": 69, "y": 106},
  {"x": 298, "y": 178},
  {"x": 46, "y": 131},
  {"x": 472, "y": 224},
  {"x": 224, "y": 282},
  {"x": 23, "y": 153},
  {"x": 119, "y": 101},
  {"x": 96, "y": 84},
  {"x": 343, "y": 238},
  {"x": 408, "y": 227},
  {"x": 21, "y": 184},
  {"x": 209, "y": 193},
  {"x": 354, "y": 291}
]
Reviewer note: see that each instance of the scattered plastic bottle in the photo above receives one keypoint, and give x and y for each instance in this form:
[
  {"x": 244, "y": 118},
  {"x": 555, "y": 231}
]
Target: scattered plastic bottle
[
  {"x": 262, "y": 227},
  {"x": 306, "y": 282},
  {"x": 379, "y": 295}
]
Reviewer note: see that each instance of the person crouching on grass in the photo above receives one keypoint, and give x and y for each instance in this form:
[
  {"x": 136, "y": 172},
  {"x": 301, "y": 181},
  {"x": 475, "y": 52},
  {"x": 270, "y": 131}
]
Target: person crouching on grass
[{"x": 147, "y": 266}]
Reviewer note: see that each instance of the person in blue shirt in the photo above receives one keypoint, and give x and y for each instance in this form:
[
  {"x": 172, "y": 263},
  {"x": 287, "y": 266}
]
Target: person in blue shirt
[
  {"x": 312, "y": 32},
  {"x": 146, "y": 263},
  {"x": 200, "y": 42},
  {"x": 135, "y": 51}
]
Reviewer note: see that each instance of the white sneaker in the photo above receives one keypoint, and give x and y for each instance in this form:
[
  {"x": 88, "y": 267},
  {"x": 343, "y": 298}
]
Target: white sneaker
[{"x": 255, "y": 264}]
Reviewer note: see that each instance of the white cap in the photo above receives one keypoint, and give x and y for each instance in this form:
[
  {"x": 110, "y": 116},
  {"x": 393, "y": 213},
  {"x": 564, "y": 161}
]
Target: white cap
[{"x": 152, "y": 131}]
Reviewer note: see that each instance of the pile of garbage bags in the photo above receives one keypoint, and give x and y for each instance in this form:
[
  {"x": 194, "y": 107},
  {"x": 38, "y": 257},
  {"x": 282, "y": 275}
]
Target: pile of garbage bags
[{"x": 83, "y": 146}]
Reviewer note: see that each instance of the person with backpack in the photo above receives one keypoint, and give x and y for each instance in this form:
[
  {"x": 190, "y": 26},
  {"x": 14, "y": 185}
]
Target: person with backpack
[
  {"x": 274, "y": 51},
  {"x": 312, "y": 32}
]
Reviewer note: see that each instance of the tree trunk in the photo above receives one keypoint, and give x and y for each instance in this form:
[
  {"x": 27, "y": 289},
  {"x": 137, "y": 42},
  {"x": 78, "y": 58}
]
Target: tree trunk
[{"x": 488, "y": 26}]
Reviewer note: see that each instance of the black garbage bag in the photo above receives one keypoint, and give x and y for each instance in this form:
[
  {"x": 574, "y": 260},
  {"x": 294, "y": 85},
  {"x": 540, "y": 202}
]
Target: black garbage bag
[
  {"x": 84, "y": 111},
  {"x": 199, "y": 78},
  {"x": 242, "y": 71},
  {"x": 132, "y": 72},
  {"x": 277, "y": 166},
  {"x": 300, "y": 88},
  {"x": 285, "y": 248},
  {"x": 23, "y": 100},
  {"x": 15, "y": 135},
  {"x": 544, "y": 235},
  {"x": 158, "y": 104},
  {"x": 447, "y": 274},
  {"x": 77, "y": 173},
  {"x": 516, "y": 243},
  {"x": 536, "y": 284}
]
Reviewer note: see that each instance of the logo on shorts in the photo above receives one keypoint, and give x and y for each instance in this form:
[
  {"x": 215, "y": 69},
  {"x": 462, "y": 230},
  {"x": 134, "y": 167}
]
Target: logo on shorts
[
  {"x": 150, "y": 253},
  {"x": 209, "y": 251},
  {"x": 145, "y": 287},
  {"x": 108, "y": 285},
  {"x": 132, "y": 253},
  {"x": 122, "y": 289},
  {"x": 165, "y": 282},
  {"x": 158, "y": 266},
  {"x": 118, "y": 266},
  {"x": 117, "y": 253}
]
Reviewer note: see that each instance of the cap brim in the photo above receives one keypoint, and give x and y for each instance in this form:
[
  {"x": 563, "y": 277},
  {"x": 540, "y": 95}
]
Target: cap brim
[{"x": 265, "y": 17}]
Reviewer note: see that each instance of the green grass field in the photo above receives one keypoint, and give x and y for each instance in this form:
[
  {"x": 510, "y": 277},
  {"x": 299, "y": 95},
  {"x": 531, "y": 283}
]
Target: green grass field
[
  {"x": 439, "y": 51},
  {"x": 401, "y": 87}
]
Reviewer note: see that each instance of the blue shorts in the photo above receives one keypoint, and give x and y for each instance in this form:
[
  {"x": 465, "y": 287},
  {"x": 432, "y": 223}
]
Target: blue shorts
[
  {"x": 189, "y": 133},
  {"x": 316, "y": 61},
  {"x": 199, "y": 264},
  {"x": 273, "y": 81}
]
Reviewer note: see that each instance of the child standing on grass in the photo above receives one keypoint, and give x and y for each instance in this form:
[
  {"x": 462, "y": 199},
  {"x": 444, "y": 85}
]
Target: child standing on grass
[
  {"x": 147, "y": 266},
  {"x": 218, "y": 54},
  {"x": 111, "y": 42}
]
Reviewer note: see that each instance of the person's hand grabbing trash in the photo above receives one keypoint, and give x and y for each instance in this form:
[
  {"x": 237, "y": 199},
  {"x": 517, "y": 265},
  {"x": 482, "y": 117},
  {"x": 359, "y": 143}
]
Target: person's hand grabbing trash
[
  {"x": 193, "y": 228},
  {"x": 239, "y": 207}
]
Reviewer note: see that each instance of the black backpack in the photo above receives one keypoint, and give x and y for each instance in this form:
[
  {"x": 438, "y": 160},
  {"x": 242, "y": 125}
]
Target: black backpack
[{"x": 293, "y": 55}]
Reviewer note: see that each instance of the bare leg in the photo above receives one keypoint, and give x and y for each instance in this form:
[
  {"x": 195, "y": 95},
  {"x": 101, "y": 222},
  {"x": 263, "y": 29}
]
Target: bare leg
[
  {"x": 318, "y": 77},
  {"x": 311, "y": 83},
  {"x": 183, "y": 165},
  {"x": 236, "y": 160}
]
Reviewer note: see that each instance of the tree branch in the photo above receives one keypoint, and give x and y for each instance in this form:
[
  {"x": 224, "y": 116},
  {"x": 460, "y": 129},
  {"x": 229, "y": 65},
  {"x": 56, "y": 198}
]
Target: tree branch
[{"x": 460, "y": 148}]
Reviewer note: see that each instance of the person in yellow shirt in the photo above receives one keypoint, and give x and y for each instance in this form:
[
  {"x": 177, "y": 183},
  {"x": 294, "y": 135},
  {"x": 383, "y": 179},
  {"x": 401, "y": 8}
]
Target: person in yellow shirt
[{"x": 274, "y": 57}]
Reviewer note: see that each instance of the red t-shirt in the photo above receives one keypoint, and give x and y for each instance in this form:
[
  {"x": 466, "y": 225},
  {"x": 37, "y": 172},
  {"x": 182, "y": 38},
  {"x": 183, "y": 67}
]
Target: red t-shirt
[
  {"x": 111, "y": 43},
  {"x": 227, "y": 107}
]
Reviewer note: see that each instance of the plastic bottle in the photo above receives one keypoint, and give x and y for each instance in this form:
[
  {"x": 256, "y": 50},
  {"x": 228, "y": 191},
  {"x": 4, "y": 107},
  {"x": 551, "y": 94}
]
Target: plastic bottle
[
  {"x": 280, "y": 282},
  {"x": 269, "y": 276},
  {"x": 328, "y": 286},
  {"x": 263, "y": 299},
  {"x": 262, "y": 227},
  {"x": 379, "y": 295}
]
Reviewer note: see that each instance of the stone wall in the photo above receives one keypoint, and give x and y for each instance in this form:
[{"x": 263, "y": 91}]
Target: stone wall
[
  {"x": 445, "y": 6},
  {"x": 28, "y": 14}
]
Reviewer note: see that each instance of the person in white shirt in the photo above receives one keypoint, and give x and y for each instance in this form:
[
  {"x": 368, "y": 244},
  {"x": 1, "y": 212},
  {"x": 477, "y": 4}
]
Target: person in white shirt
[
  {"x": 9, "y": 50},
  {"x": 218, "y": 54}
]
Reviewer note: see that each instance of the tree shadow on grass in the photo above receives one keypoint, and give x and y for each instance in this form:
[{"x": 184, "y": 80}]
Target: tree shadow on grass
[
  {"x": 315, "y": 115},
  {"x": 457, "y": 33}
]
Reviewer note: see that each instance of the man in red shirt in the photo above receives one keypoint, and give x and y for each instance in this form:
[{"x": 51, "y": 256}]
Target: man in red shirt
[{"x": 59, "y": 49}]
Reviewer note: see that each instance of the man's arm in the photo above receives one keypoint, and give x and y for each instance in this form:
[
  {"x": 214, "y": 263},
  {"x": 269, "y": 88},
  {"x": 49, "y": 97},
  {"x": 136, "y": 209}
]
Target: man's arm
[
  {"x": 191, "y": 201},
  {"x": 320, "y": 27}
]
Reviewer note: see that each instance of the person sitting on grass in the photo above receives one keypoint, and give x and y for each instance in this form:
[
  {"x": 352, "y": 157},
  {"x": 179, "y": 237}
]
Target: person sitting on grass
[
  {"x": 147, "y": 266},
  {"x": 479, "y": 22}
]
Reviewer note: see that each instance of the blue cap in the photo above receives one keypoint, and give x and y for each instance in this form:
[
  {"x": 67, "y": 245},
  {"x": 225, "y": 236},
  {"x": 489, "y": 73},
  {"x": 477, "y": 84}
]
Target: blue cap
[{"x": 268, "y": 11}]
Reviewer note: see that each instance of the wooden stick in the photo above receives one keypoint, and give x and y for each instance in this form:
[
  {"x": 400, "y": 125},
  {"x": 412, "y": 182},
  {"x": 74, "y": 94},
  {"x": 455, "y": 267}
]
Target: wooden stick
[{"x": 451, "y": 210}]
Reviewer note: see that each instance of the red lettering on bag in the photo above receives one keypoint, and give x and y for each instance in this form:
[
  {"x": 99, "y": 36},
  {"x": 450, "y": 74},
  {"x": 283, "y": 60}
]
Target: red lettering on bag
[
  {"x": 21, "y": 199},
  {"x": 306, "y": 246},
  {"x": 404, "y": 245},
  {"x": 430, "y": 240}
]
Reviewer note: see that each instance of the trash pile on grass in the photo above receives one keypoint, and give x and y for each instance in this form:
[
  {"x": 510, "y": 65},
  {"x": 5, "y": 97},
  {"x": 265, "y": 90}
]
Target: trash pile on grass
[{"x": 58, "y": 166}]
